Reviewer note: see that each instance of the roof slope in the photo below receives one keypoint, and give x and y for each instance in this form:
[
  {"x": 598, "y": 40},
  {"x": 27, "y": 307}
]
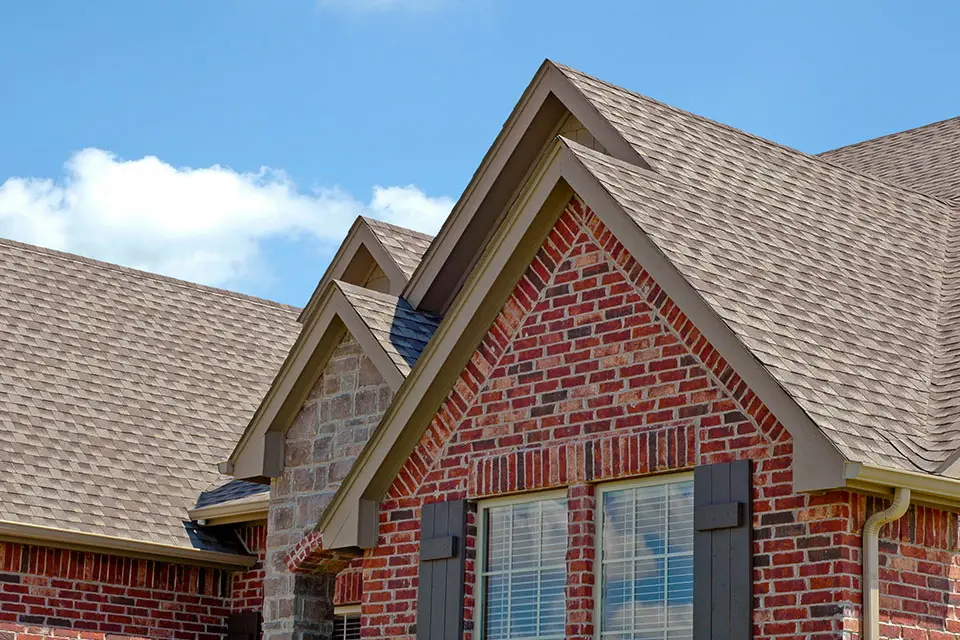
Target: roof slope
[
  {"x": 121, "y": 390},
  {"x": 405, "y": 246},
  {"x": 833, "y": 279},
  {"x": 402, "y": 331},
  {"x": 926, "y": 159}
]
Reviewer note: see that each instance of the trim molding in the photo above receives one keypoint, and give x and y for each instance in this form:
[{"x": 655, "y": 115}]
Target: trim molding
[
  {"x": 38, "y": 534},
  {"x": 246, "y": 509}
]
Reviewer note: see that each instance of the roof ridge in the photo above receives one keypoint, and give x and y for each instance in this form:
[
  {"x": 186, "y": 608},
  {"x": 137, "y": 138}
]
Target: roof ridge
[
  {"x": 888, "y": 135},
  {"x": 147, "y": 275},
  {"x": 375, "y": 221},
  {"x": 767, "y": 141}
]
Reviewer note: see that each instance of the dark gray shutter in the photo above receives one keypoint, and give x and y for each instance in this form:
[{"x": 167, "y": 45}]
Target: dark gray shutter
[
  {"x": 244, "y": 626},
  {"x": 443, "y": 528},
  {"x": 723, "y": 551}
]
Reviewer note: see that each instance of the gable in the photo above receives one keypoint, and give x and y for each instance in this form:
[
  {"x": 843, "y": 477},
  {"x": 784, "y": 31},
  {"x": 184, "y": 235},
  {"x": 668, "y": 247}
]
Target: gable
[{"x": 590, "y": 372}]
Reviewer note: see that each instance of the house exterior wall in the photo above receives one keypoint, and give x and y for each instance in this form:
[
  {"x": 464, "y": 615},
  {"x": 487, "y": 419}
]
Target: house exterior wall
[
  {"x": 47, "y": 592},
  {"x": 591, "y": 374},
  {"x": 328, "y": 433},
  {"x": 246, "y": 587}
]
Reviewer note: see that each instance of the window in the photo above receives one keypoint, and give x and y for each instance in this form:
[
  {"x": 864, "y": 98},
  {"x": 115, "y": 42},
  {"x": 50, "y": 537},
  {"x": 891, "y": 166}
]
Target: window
[
  {"x": 346, "y": 627},
  {"x": 523, "y": 568},
  {"x": 646, "y": 560}
]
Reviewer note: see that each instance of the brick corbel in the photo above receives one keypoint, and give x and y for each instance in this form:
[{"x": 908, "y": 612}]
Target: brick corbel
[{"x": 309, "y": 556}]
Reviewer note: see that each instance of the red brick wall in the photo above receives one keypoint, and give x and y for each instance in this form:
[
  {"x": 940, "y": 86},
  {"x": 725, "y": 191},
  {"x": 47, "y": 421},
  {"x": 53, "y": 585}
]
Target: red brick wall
[
  {"x": 246, "y": 587},
  {"x": 57, "y": 593},
  {"x": 51, "y": 592},
  {"x": 919, "y": 572},
  {"x": 591, "y": 373}
]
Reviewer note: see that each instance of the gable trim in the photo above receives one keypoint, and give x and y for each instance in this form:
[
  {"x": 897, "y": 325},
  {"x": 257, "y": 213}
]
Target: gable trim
[
  {"x": 259, "y": 452},
  {"x": 360, "y": 237},
  {"x": 818, "y": 465},
  {"x": 540, "y": 111}
]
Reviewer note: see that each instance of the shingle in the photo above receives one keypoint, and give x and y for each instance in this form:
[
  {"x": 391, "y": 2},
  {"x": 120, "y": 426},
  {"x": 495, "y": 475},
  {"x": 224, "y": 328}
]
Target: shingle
[
  {"x": 405, "y": 246},
  {"x": 120, "y": 391},
  {"x": 926, "y": 159},
  {"x": 832, "y": 278},
  {"x": 403, "y": 332}
]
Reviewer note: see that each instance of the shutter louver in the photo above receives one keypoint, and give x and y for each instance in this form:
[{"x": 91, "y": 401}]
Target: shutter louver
[
  {"x": 443, "y": 527},
  {"x": 244, "y": 626},
  {"x": 723, "y": 552}
]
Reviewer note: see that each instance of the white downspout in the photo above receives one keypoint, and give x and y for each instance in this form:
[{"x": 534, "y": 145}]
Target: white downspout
[{"x": 871, "y": 561}]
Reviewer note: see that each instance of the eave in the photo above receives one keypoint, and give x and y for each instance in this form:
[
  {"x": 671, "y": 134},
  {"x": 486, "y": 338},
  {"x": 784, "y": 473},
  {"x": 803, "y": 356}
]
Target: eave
[
  {"x": 249, "y": 509},
  {"x": 62, "y": 538}
]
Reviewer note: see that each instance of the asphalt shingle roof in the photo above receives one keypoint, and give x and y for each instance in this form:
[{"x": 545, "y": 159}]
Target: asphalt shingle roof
[
  {"x": 405, "y": 246},
  {"x": 402, "y": 331},
  {"x": 120, "y": 391},
  {"x": 926, "y": 159},
  {"x": 842, "y": 285}
]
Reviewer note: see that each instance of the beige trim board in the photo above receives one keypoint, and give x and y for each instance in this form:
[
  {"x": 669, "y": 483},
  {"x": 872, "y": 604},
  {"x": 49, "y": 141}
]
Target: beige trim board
[
  {"x": 931, "y": 490},
  {"x": 37, "y": 534},
  {"x": 358, "y": 254},
  {"x": 248, "y": 509},
  {"x": 259, "y": 452},
  {"x": 818, "y": 464},
  {"x": 499, "y": 180}
]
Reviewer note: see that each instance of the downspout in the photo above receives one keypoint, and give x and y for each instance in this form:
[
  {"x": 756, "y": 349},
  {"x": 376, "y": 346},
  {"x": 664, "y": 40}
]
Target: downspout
[{"x": 871, "y": 561}]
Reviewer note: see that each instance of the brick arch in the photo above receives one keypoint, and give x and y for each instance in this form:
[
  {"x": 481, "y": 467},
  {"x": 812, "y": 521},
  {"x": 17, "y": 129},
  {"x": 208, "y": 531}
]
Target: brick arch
[{"x": 580, "y": 262}]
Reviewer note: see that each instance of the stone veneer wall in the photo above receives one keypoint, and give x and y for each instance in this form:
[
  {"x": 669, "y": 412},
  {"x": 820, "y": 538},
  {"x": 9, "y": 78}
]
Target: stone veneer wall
[{"x": 331, "y": 429}]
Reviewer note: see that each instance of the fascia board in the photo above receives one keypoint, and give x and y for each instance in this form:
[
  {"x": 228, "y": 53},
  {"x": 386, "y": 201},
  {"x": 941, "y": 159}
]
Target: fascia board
[
  {"x": 253, "y": 456},
  {"x": 549, "y": 80},
  {"x": 818, "y": 465},
  {"x": 64, "y": 538}
]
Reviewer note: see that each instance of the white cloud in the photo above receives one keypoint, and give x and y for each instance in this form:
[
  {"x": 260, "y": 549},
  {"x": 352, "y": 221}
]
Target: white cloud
[{"x": 206, "y": 225}]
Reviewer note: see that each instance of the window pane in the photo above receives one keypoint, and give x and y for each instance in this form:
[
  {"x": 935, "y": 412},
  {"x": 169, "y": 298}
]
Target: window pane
[
  {"x": 647, "y": 563},
  {"x": 524, "y": 570}
]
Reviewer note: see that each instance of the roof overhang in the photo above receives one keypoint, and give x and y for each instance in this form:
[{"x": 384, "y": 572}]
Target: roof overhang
[
  {"x": 359, "y": 254},
  {"x": 500, "y": 179},
  {"x": 258, "y": 455},
  {"x": 350, "y": 521},
  {"x": 66, "y": 539},
  {"x": 247, "y": 509}
]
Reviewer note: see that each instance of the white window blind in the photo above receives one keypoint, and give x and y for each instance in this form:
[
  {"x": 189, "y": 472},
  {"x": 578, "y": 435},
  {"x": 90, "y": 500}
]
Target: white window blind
[
  {"x": 524, "y": 570},
  {"x": 346, "y": 627},
  {"x": 647, "y": 562}
]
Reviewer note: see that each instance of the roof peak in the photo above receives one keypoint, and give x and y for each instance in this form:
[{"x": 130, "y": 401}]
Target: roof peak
[
  {"x": 817, "y": 158},
  {"x": 147, "y": 275}
]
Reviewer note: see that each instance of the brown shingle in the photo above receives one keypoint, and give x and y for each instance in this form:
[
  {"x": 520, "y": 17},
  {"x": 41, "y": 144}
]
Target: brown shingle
[
  {"x": 832, "y": 278},
  {"x": 120, "y": 391}
]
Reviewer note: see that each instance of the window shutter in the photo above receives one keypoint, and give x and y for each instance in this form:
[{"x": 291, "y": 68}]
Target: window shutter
[
  {"x": 244, "y": 626},
  {"x": 443, "y": 527},
  {"x": 723, "y": 552}
]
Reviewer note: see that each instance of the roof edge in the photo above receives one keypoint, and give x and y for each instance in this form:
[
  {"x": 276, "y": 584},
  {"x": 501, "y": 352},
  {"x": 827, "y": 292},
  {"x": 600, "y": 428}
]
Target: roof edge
[
  {"x": 360, "y": 236},
  {"x": 246, "y": 509},
  {"x": 328, "y": 321},
  {"x": 934, "y": 490},
  {"x": 34, "y": 534},
  {"x": 344, "y": 520},
  {"x": 549, "y": 86}
]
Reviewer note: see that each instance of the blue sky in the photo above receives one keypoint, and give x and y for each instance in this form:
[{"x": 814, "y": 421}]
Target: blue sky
[{"x": 234, "y": 142}]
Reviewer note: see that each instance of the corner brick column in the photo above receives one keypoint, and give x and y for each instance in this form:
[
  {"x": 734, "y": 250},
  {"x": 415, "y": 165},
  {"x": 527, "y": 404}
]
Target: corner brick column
[
  {"x": 581, "y": 556},
  {"x": 300, "y": 607}
]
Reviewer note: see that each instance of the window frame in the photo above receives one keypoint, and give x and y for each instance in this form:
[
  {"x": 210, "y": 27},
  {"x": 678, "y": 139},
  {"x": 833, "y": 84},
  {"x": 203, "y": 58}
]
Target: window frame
[
  {"x": 600, "y": 490},
  {"x": 483, "y": 507}
]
